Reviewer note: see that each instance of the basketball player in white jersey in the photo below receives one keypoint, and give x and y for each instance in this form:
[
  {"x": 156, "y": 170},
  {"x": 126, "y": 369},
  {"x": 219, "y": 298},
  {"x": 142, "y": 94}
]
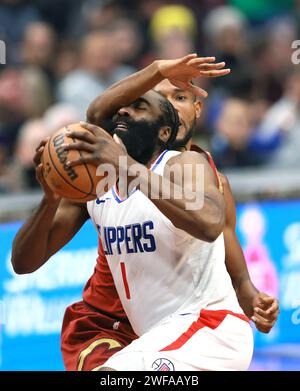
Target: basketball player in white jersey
[{"x": 168, "y": 262}]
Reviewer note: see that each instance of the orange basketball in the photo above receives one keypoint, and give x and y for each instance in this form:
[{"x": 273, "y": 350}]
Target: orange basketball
[{"x": 75, "y": 183}]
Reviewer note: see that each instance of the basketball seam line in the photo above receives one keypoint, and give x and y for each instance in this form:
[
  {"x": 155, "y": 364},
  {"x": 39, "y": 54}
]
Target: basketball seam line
[
  {"x": 79, "y": 198},
  {"x": 87, "y": 169}
]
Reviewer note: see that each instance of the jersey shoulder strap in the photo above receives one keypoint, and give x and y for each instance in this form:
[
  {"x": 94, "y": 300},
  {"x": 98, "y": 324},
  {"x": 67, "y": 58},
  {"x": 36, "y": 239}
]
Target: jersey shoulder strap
[
  {"x": 159, "y": 164},
  {"x": 211, "y": 163}
]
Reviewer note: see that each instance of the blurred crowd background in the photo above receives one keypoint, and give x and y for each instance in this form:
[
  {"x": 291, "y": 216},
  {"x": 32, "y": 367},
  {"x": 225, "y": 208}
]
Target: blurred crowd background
[{"x": 61, "y": 54}]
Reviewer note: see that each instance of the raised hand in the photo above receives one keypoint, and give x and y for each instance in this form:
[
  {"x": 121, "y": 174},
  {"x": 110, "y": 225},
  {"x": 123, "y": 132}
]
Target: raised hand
[{"x": 180, "y": 72}]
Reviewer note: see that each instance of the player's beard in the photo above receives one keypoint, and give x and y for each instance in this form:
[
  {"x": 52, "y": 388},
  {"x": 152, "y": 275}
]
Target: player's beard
[
  {"x": 182, "y": 142},
  {"x": 140, "y": 139}
]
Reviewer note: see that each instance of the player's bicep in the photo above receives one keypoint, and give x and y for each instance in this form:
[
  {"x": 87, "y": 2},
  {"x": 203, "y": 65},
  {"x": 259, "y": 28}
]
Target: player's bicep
[
  {"x": 193, "y": 173},
  {"x": 201, "y": 179},
  {"x": 68, "y": 220},
  {"x": 211, "y": 189},
  {"x": 206, "y": 203},
  {"x": 230, "y": 207}
]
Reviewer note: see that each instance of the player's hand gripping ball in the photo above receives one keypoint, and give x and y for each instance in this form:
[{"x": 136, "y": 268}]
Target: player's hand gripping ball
[{"x": 74, "y": 183}]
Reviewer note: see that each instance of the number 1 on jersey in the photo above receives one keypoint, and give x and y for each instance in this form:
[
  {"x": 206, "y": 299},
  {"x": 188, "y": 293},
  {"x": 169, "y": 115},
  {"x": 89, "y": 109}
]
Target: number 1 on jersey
[{"x": 126, "y": 286}]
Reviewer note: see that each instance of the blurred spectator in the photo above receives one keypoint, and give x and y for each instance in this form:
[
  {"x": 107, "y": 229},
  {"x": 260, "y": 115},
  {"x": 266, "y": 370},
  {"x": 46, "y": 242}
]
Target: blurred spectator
[
  {"x": 101, "y": 13},
  {"x": 229, "y": 24},
  {"x": 11, "y": 116},
  {"x": 272, "y": 54},
  {"x": 233, "y": 131},
  {"x": 99, "y": 69},
  {"x": 126, "y": 40},
  {"x": 272, "y": 137},
  {"x": 66, "y": 59},
  {"x": 24, "y": 93},
  {"x": 170, "y": 18},
  {"x": 15, "y": 15},
  {"x": 282, "y": 121},
  {"x": 58, "y": 116},
  {"x": 8, "y": 178},
  {"x": 51, "y": 12},
  {"x": 172, "y": 29},
  {"x": 37, "y": 94},
  {"x": 12, "y": 99},
  {"x": 226, "y": 32},
  {"x": 39, "y": 48},
  {"x": 146, "y": 9},
  {"x": 33, "y": 132},
  {"x": 259, "y": 108},
  {"x": 95, "y": 15},
  {"x": 38, "y": 45}
]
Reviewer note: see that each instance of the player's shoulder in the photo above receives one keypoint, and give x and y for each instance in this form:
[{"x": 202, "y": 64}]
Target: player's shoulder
[
  {"x": 224, "y": 180},
  {"x": 191, "y": 157}
]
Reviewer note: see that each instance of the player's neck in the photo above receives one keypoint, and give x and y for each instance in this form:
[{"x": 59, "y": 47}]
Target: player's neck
[
  {"x": 155, "y": 155},
  {"x": 186, "y": 147}
]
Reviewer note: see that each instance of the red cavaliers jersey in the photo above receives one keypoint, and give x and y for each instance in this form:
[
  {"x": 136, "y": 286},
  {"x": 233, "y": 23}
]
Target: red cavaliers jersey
[{"x": 100, "y": 291}]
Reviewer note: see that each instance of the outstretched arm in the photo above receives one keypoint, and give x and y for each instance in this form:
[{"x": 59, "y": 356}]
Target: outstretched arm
[
  {"x": 180, "y": 72},
  {"x": 263, "y": 309}
]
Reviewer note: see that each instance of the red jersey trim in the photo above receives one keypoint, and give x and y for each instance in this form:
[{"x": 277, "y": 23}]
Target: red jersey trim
[
  {"x": 211, "y": 163},
  {"x": 207, "y": 318},
  {"x": 124, "y": 276}
]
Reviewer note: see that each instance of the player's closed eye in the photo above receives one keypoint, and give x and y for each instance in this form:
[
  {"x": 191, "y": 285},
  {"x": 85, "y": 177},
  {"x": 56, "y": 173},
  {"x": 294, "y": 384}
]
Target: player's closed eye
[
  {"x": 139, "y": 106},
  {"x": 181, "y": 98}
]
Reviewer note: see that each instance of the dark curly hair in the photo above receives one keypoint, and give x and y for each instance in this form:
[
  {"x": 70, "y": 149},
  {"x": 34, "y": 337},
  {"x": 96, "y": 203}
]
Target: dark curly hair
[{"x": 170, "y": 117}]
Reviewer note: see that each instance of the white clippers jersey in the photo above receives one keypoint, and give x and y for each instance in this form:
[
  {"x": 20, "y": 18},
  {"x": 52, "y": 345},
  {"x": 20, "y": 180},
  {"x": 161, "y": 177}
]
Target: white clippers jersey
[{"x": 157, "y": 268}]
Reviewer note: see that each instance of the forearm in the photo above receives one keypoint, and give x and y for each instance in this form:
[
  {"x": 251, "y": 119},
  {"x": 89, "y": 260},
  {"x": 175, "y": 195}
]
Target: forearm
[
  {"x": 30, "y": 244},
  {"x": 246, "y": 293},
  {"x": 234, "y": 257},
  {"x": 238, "y": 271},
  {"x": 192, "y": 211},
  {"x": 205, "y": 225},
  {"x": 123, "y": 93}
]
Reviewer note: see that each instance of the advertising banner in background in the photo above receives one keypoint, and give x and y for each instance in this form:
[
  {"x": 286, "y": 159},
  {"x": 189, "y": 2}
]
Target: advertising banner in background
[
  {"x": 32, "y": 306},
  {"x": 270, "y": 236}
]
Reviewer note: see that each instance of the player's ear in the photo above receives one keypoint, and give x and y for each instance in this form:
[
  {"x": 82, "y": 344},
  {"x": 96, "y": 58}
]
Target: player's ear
[
  {"x": 198, "y": 108},
  {"x": 164, "y": 134}
]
